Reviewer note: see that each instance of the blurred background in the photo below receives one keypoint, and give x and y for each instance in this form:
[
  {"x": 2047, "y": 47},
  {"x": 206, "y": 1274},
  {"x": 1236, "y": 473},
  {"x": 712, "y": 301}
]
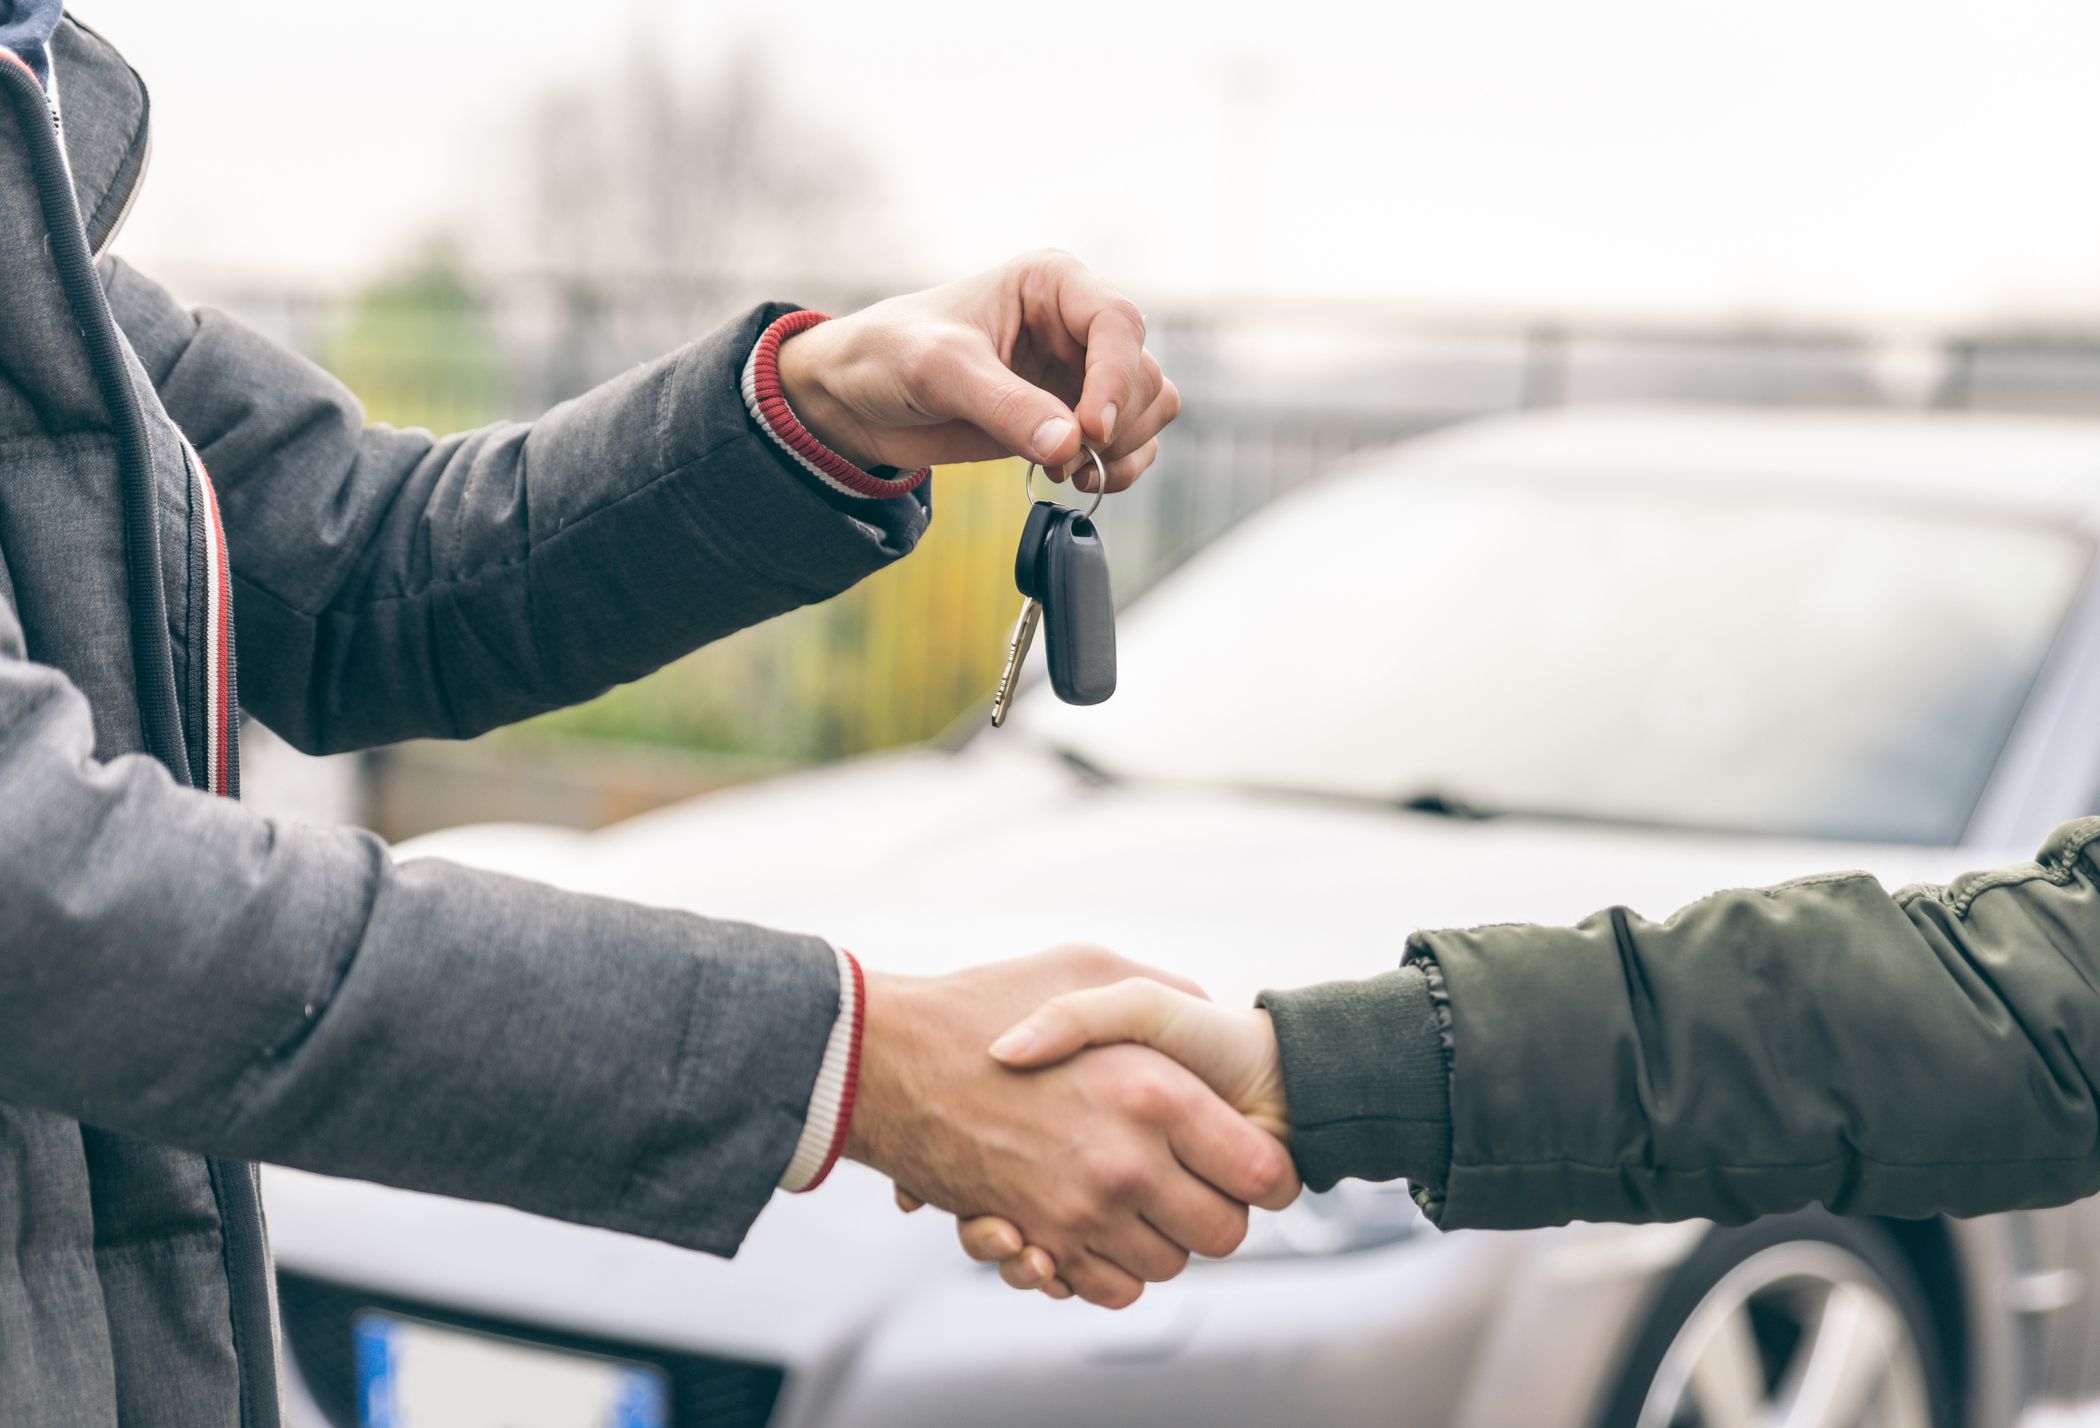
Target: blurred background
[
  {"x": 1365, "y": 223},
  {"x": 1822, "y": 595}
]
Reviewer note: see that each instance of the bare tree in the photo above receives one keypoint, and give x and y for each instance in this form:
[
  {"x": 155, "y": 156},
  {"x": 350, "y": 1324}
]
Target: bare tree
[{"x": 644, "y": 172}]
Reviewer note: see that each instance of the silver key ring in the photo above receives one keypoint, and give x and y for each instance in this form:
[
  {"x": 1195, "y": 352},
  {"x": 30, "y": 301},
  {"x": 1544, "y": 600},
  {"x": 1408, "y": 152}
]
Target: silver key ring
[{"x": 1100, "y": 486}]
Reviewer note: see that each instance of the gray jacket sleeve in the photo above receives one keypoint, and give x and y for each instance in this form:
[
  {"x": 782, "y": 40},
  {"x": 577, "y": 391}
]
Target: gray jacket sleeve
[
  {"x": 390, "y": 584},
  {"x": 1822, "y": 1041},
  {"x": 174, "y": 966}
]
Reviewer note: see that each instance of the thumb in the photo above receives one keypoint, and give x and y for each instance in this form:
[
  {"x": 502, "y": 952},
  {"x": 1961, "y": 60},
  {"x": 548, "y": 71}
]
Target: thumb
[
  {"x": 1138, "y": 1009},
  {"x": 977, "y": 388},
  {"x": 1235, "y": 1053}
]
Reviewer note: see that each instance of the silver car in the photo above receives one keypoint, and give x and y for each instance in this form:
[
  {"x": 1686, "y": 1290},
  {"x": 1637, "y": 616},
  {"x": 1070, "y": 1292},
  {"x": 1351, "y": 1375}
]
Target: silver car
[{"x": 1519, "y": 670}]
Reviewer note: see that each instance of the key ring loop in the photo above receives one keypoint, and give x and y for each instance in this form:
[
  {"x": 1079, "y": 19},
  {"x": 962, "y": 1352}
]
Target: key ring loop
[{"x": 1100, "y": 488}]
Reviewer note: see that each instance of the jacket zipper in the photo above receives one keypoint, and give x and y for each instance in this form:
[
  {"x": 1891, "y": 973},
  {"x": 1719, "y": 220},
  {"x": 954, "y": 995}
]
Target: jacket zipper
[
  {"x": 243, "y": 1249},
  {"x": 153, "y": 664}
]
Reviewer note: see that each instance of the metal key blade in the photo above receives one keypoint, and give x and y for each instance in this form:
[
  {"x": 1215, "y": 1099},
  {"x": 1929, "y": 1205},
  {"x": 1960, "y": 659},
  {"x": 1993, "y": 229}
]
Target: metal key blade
[{"x": 1016, "y": 655}]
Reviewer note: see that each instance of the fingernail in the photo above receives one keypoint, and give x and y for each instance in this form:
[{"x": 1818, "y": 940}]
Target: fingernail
[
  {"x": 1108, "y": 422},
  {"x": 1050, "y": 435},
  {"x": 1005, "y": 1246},
  {"x": 1015, "y": 1043}
]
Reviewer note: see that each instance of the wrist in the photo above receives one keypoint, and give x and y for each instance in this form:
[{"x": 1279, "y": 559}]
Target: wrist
[
  {"x": 1267, "y": 1105},
  {"x": 814, "y": 372},
  {"x": 808, "y": 360},
  {"x": 890, "y": 1026}
]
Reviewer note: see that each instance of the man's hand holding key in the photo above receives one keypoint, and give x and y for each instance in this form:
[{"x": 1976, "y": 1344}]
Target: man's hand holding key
[
  {"x": 1037, "y": 359},
  {"x": 1029, "y": 359}
]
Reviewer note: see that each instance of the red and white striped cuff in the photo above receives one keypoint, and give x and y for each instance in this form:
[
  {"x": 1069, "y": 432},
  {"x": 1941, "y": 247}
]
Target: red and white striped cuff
[
  {"x": 769, "y": 408},
  {"x": 221, "y": 719},
  {"x": 838, "y": 1079}
]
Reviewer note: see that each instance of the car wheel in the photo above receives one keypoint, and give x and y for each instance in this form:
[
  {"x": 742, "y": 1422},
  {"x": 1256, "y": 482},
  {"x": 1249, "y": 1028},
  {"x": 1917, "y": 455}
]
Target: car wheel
[{"x": 1807, "y": 1319}]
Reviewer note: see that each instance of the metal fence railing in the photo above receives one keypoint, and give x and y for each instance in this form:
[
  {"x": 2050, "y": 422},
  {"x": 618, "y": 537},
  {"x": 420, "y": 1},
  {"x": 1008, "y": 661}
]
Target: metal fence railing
[{"x": 1273, "y": 397}]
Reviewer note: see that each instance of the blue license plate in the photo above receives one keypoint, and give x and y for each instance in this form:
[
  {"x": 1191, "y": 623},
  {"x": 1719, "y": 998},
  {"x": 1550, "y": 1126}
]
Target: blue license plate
[{"x": 414, "y": 1374}]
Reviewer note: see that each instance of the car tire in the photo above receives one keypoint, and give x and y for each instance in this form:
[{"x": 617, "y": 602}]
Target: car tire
[{"x": 1736, "y": 1327}]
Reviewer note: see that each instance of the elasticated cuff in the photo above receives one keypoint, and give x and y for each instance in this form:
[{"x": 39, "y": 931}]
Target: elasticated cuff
[
  {"x": 838, "y": 1086},
  {"x": 766, "y": 399},
  {"x": 1367, "y": 1080}
]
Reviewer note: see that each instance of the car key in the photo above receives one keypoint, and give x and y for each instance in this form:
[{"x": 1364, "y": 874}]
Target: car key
[
  {"x": 1079, "y": 611},
  {"x": 1083, "y": 655},
  {"x": 1027, "y": 567}
]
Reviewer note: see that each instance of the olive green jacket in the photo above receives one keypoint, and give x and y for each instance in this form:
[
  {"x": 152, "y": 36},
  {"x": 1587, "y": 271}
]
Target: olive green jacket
[{"x": 1819, "y": 1041}]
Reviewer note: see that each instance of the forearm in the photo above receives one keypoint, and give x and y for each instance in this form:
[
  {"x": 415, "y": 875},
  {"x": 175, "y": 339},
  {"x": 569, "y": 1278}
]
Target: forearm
[
  {"x": 1816, "y": 1042},
  {"x": 173, "y": 966},
  {"x": 391, "y": 584}
]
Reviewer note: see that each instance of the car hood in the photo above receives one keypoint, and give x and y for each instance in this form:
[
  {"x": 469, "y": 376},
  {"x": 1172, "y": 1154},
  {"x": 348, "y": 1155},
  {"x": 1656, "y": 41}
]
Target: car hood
[{"x": 926, "y": 861}]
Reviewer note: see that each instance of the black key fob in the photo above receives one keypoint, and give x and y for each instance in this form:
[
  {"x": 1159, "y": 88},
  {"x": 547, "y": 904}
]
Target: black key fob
[
  {"x": 1079, "y": 612},
  {"x": 1035, "y": 536}
]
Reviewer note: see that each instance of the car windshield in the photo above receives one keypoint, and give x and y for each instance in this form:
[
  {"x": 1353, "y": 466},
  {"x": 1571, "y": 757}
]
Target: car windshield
[{"x": 1689, "y": 653}]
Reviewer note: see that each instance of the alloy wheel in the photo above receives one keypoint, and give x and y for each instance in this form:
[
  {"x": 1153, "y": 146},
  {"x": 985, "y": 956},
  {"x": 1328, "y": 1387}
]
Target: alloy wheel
[{"x": 1800, "y": 1335}]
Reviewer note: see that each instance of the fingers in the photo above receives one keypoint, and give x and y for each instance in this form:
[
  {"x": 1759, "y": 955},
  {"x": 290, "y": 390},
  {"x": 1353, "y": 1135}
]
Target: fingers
[
  {"x": 988, "y": 1239},
  {"x": 991, "y": 1240},
  {"x": 1196, "y": 1221},
  {"x": 1031, "y": 359},
  {"x": 1196, "y": 1217},
  {"x": 969, "y": 383},
  {"x": 1141, "y": 1250},
  {"x": 1223, "y": 1147},
  {"x": 1134, "y": 429},
  {"x": 1136, "y": 445},
  {"x": 1032, "y": 1268},
  {"x": 1125, "y": 400},
  {"x": 1097, "y": 1281},
  {"x": 1136, "y": 1009},
  {"x": 908, "y": 1202},
  {"x": 1210, "y": 1151},
  {"x": 1186, "y": 1218},
  {"x": 1232, "y": 1053},
  {"x": 1106, "y": 1163},
  {"x": 1120, "y": 383}
]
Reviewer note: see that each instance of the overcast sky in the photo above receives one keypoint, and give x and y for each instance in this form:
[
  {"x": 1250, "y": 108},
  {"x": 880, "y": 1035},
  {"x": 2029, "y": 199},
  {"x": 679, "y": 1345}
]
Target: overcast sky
[{"x": 1911, "y": 162}]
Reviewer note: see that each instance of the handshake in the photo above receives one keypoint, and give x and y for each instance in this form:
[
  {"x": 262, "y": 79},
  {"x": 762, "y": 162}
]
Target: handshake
[{"x": 1080, "y": 1171}]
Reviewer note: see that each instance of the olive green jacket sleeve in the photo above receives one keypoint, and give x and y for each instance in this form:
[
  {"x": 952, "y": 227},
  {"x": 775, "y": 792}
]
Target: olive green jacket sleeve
[{"x": 1820, "y": 1041}]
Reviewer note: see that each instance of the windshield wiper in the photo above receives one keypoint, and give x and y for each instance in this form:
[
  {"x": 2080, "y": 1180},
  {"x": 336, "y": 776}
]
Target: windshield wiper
[
  {"x": 1441, "y": 803},
  {"x": 1437, "y": 802},
  {"x": 1088, "y": 771}
]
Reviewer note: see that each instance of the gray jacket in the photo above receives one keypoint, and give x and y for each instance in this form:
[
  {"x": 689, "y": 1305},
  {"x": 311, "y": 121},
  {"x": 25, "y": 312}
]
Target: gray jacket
[{"x": 186, "y": 987}]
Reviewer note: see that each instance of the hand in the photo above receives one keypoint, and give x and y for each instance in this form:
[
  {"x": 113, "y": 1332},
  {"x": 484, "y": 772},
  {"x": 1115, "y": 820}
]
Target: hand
[
  {"x": 1022, "y": 360},
  {"x": 1118, "y": 1163},
  {"x": 1233, "y": 1051}
]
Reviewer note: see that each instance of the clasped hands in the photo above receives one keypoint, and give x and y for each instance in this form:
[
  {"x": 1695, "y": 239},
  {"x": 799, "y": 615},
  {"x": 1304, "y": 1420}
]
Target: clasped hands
[{"x": 1086, "y": 1172}]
